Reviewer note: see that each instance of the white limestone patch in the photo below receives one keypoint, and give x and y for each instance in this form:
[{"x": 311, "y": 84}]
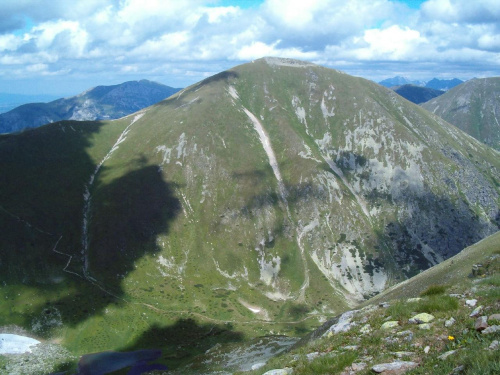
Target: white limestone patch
[
  {"x": 232, "y": 91},
  {"x": 15, "y": 344},
  {"x": 255, "y": 309},
  {"x": 235, "y": 275},
  {"x": 266, "y": 144},
  {"x": 278, "y": 296},
  {"x": 300, "y": 112},
  {"x": 188, "y": 103},
  {"x": 328, "y": 96},
  {"x": 308, "y": 154},
  {"x": 167, "y": 153},
  {"x": 278, "y": 61},
  {"x": 181, "y": 151}
]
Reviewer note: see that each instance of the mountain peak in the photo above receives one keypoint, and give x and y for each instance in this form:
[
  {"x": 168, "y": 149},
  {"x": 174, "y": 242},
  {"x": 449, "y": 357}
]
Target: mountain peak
[{"x": 97, "y": 103}]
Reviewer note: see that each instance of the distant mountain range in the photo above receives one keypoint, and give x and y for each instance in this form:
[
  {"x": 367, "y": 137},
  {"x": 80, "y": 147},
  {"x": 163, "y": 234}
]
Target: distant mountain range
[
  {"x": 420, "y": 91},
  {"x": 435, "y": 83},
  {"x": 399, "y": 81},
  {"x": 98, "y": 103},
  {"x": 443, "y": 84},
  {"x": 474, "y": 107}
]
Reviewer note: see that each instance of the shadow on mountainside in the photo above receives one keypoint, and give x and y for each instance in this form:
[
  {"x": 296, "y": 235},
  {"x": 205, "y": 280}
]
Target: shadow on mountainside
[
  {"x": 41, "y": 208},
  {"x": 184, "y": 340},
  {"x": 127, "y": 216},
  {"x": 42, "y": 179}
]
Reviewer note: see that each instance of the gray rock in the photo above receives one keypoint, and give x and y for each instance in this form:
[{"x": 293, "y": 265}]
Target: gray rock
[
  {"x": 312, "y": 355},
  {"x": 408, "y": 335},
  {"x": 476, "y": 312},
  {"x": 358, "y": 366},
  {"x": 449, "y": 322},
  {"x": 281, "y": 371},
  {"x": 257, "y": 366},
  {"x": 494, "y": 317},
  {"x": 390, "y": 324},
  {"x": 397, "y": 367},
  {"x": 481, "y": 323},
  {"x": 417, "y": 299},
  {"x": 471, "y": 302},
  {"x": 427, "y": 349},
  {"x": 344, "y": 324},
  {"x": 491, "y": 329},
  {"x": 447, "y": 354},
  {"x": 494, "y": 345},
  {"x": 403, "y": 354},
  {"x": 365, "y": 329},
  {"x": 384, "y": 304},
  {"x": 421, "y": 318},
  {"x": 425, "y": 326}
]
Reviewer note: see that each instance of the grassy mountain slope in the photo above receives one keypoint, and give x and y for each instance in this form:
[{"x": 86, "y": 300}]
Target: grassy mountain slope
[
  {"x": 98, "y": 103},
  {"x": 265, "y": 198},
  {"x": 473, "y": 107}
]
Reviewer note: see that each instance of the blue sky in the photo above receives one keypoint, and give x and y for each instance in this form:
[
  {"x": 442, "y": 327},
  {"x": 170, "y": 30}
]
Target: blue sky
[{"x": 63, "y": 47}]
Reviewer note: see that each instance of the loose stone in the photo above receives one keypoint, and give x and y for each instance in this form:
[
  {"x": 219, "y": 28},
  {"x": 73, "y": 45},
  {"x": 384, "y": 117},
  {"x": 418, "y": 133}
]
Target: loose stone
[
  {"x": 397, "y": 367},
  {"x": 491, "y": 329},
  {"x": 476, "y": 312},
  {"x": 421, "y": 318},
  {"x": 447, "y": 354},
  {"x": 471, "y": 302},
  {"x": 449, "y": 322},
  {"x": 390, "y": 324},
  {"x": 281, "y": 371},
  {"x": 481, "y": 323},
  {"x": 494, "y": 317}
]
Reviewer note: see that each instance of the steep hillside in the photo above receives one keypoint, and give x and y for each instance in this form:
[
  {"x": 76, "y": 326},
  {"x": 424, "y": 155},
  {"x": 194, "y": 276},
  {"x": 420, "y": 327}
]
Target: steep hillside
[
  {"x": 474, "y": 107},
  {"x": 267, "y": 197},
  {"x": 98, "y": 103},
  {"x": 443, "y": 321},
  {"x": 417, "y": 94}
]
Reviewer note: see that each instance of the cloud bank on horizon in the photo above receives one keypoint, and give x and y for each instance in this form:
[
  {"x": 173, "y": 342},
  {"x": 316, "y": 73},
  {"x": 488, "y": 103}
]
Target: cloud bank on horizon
[{"x": 73, "y": 45}]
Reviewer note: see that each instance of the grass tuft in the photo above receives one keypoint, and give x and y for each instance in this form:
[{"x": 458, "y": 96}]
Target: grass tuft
[
  {"x": 434, "y": 290},
  {"x": 439, "y": 304}
]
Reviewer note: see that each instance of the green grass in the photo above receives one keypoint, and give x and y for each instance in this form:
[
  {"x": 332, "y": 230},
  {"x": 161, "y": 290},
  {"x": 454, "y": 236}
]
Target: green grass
[
  {"x": 439, "y": 304},
  {"x": 434, "y": 290},
  {"x": 327, "y": 364}
]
